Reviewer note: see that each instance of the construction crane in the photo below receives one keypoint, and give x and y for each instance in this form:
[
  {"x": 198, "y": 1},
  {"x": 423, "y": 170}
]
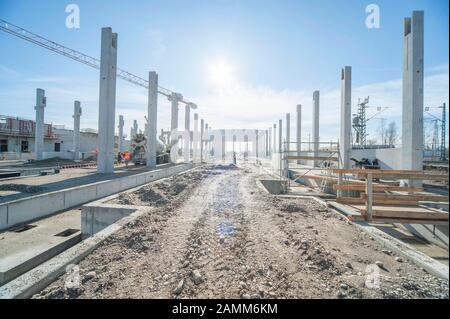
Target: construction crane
[
  {"x": 443, "y": 124},
  {"x": 359, "y": 122},
  {"x": 78, "y": 56}
]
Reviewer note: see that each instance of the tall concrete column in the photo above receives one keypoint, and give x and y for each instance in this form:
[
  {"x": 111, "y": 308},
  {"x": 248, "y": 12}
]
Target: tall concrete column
[
  {"x": 315, "y": 126},
  {"x": 223, "y": 145},
  {"x": 299, "y": 129},
  {"x": 134, "y": 129},
  {"x": 195, "y": 139},
  {"x": 412, "y": 116},
  {"x": 175, "y": 98},
  {"x": 256, "y": 143},
  {"x": 120, "y": 127},
  {"x": 202, "y": 132},
  {"x": 206, "y": 140},
  {"x": 152, "y": 113},
  {"x": 288, "y": 131},
  {"x": 280, "y": 136},
  {"x": 346, "y": 113},
  {"x": 266, "y": 145},
  {"x": 187, "y": 128},
  {"x": 107, "y": 101},
  {"x": 274, "y": 149},
  {"x": 76, "y": 130},
  {"x": 269, "y": 145},
  {"x": 41, "y": 102}
]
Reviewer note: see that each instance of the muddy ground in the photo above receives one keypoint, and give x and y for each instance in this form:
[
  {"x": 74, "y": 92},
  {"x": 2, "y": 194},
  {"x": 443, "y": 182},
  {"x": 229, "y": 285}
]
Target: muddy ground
[{"x": 215, "y": 233}]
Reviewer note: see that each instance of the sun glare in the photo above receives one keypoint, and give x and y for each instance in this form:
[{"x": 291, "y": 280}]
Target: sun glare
[{"x": 221, "y": 74}]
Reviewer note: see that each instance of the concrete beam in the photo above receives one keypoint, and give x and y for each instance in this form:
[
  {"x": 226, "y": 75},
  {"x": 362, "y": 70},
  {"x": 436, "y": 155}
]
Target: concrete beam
[
  {"x": 76, "y": 129},
  {"x": 280, "y": 136},
  {"x": 412, "y": 116},
  {"x": 288, "y": 131},
  {"x": 107, "y": 101},
  {"x": 41, "y": 102},
  {"x": 120, "y": 127},
  {"x": 346, "y": 113},
  {"x": 274, "y": 139},
  {"x": 152, "y": 112},
  {"x": 315, "y": 124}
]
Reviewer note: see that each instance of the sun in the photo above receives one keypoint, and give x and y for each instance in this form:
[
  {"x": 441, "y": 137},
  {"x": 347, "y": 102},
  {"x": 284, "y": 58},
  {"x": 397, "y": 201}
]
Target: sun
[{"x": 221, "y": 74}]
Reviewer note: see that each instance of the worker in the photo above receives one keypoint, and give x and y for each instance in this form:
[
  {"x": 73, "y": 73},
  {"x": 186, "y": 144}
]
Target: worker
[{"x": 127, "y": 157}]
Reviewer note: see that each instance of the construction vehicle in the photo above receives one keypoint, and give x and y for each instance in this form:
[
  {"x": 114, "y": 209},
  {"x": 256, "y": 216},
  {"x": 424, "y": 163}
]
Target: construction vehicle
[{"x": 139, "y": 145}]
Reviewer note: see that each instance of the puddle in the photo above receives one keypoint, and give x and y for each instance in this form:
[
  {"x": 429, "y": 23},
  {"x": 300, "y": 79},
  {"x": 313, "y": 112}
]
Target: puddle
[{"x": 226, "y": 229}]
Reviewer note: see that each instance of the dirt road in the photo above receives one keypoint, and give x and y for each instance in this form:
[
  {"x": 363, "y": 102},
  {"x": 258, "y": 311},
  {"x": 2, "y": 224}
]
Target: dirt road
[{"x": 214, "y": 233}]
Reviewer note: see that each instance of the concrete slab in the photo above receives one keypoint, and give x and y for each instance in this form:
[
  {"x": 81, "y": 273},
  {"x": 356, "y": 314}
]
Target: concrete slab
[{"x": 24, "y": 248}]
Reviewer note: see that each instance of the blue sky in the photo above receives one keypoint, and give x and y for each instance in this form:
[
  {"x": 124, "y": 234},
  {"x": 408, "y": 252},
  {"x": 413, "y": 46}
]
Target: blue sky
[{"x": 274, "y": 54}]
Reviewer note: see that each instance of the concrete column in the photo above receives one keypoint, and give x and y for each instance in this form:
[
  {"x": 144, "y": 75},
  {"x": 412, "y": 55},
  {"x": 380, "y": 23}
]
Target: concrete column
[
  {"x": 120, "y": 126},
  {"x": 299, "y": 130},
  {"x": 269, "y": 145},
  {"x": 41, "y": 102},
  {"x": 107, "y": 101},
  {"x": 187, "y": 128},
  {"x": 280, "y": 136},
  {"x": 174, "y": 98},
  {"x": 223, "y": 145},
  {"x": 288, "y": 131},
  {"x": 152, "y": 113},
  {"x": 195, "y": 139},
  {"x": 134, "y": 129},
  {"x": 266, "y": 144},
  {"x": 274, "y": 149},
  {"x": 315, "y": 126},
  {"x": 206, "y": 140},
  {"x": 76, "y": 130},
  {"x": 346, "y": 113},
  {"x": 256, "y": 143},
  {"x": 202, "y": 130},
  {"x": 412, "y": 116}
]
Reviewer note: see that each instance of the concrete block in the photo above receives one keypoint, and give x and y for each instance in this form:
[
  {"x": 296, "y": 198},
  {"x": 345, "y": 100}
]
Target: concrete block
[
  {"x": 3, "y": 216},
  {"x": 128, "y": 182},
  {"x": 80, "y": 195},
  {"x": 94, "y": 217},
  {"x": 108, "y": 188},
  {"x": 25, "y": 210}
]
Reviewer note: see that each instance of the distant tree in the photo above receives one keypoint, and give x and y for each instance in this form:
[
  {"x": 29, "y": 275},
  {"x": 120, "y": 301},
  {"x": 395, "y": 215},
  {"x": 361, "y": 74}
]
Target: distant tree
[
  {"x": 382, "y": 131},
  {"x": 391, "y": 133},
  {"x": 372, "y": 141}
]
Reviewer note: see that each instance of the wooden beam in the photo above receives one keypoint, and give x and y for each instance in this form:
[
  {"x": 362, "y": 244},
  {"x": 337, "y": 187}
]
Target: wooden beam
[
  {"x": 313, "y": 158},
  {"x": 424, "y": 177},
  {"x": 375, "y": 171},
  {"x": 375, "y": 201},
  {"x": 412, "y": 197},
  {"x": 378, "y": 188}
]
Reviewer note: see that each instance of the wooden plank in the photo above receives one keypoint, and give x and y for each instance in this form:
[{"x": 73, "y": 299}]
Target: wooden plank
[
  {"x": 375, "y": 171},
  {"x": 410, "y": 197},
  {"x": 356, "y": 200},
  {"x": 385, "y": 220},
  {"x": 378, "y": 188},
  {"x": 424, "y": 177},
  {"x": 313, "y": 158},
  {"x": 405, "y": 212}
]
